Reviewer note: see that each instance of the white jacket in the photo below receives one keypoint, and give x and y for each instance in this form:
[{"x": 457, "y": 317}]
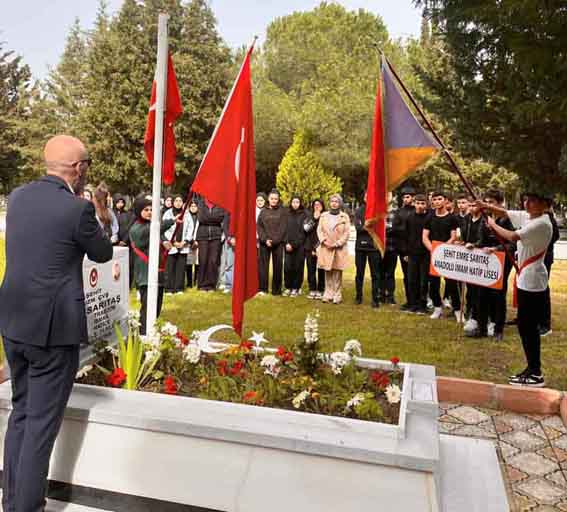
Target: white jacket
[{"x": 186, "y": 234}]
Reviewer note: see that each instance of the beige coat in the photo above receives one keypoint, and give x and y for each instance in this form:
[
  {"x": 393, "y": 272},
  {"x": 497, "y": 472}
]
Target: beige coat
[{"x": 335, "y": 257}]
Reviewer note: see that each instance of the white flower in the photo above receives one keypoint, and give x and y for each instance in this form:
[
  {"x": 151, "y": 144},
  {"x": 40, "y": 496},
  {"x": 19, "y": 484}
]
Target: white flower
[
  {"x": 355, "y": 400},
  {"x": 192, "y": 353},
  {"x": 134, "y": 319},
  {"x": 338, "y": 360},
  {"x": 169, "y": 329},
  {"x": 195, "y": 336},
  {"x": 300, "y": 398},
  {"x": 153, "y": 339},
  {"x": 152, "y": 354},
  {"x": 311, "y": 329},
  {"x": 112, "y": 350},
  {"x": 353, "y": 348},
  {"x": 393, "y": 393},
  {"x": 270, "y": 364},
  {"x": 84, "y": 371}
]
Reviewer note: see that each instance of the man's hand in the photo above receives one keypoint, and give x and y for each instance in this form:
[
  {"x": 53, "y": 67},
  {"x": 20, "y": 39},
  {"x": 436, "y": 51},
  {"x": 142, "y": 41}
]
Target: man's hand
[
  {"x": 469, "y": 246},
  {"x": 491, "y": 222},
  {"x": 269, "y": 243},
  {"x": 122, "y": 244},
  {"x": 288, "y": 247},
  {"x": 405, "y": 258},
  {"x": 488, "y": 250},
  {"x": 168, "y": 245},
  {"x": 179, "y": 219}
]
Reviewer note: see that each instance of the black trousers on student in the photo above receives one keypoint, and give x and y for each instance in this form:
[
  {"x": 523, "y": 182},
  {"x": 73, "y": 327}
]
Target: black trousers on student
[
  {"x": 545, "y": 322},
  {"x": 473, "y": 301},
  {"x": 315, "y": 276},
  {"x": 209, "y": 261},
  {"x": 418, "y": 280},
  {"x": 451, "y": 288},
  {"x": 387, "y": 276},
  {"x": 144, "y": 308},
  {"x": 294, "y": 264},
  {"x": 360, "y": 259},
  {"x": 276, "y": 253},
  {"x": 192, "y": 272},
  {"x": 530, "y": 309},
  {"x": 175, "y": 272}
]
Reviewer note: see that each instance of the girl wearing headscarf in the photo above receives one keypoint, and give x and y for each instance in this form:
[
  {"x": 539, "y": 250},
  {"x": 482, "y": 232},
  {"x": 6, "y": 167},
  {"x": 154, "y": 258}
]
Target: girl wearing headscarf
[
  {"x": 315, "y": 276},
  {"x": 332, "y": 254},
  {"x": 193, "y": 253},
  {"x": 177, "y": 257},
  {"x": 104, "y": 214},
  {"x": 294, "y": 251},
  {"x": 140, "y": 244},
  {"x": 167, "y": 203}
]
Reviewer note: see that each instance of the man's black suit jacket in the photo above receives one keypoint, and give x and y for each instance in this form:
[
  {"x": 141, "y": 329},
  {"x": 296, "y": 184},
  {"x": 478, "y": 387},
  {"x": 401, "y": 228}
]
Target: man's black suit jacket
[{"x": 48, "y": 232}]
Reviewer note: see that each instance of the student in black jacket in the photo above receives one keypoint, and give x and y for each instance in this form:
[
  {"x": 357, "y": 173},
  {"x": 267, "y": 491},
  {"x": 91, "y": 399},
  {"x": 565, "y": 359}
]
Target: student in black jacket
[
  {"x": 365, "y": 250},
  {"x": 418, "y": 258},
  {"x": 400, "y": 235},
  {"x": 492, "y": 303},
  {"x": 315, "y": 276},
  {"x": 271, "y": 228},
  {"x": 294, "y": 248},
  {"x": 470, "y": 235},
  {"x": 209, "y": 236}
]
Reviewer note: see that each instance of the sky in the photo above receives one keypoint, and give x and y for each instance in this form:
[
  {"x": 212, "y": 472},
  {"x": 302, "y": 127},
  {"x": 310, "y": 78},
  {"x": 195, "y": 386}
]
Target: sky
[{"x": 37, "y": 29}]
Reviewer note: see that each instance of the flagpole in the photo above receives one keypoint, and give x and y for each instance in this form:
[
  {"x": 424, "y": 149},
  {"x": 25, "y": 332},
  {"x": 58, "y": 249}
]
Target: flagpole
[
  {"x": 155, "y": 226},
  {"x": 446, "y": 152}
]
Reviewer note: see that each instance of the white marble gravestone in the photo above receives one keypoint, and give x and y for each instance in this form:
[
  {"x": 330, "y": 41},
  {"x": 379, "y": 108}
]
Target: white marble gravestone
[{"x": 231, "y": 457}]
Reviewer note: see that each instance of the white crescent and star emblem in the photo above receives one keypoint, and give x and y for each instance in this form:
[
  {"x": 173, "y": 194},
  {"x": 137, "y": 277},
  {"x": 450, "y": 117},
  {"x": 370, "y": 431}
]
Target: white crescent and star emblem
[{"x": 237, "y": 155}]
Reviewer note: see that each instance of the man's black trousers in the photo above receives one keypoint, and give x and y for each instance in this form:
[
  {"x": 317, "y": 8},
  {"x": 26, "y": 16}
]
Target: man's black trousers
[
  {"x": 209, "y": 261},
  {"x": 42, "y": 379},
  {"x": 388, "y": 275},
  {"x": 360, "y": 259},
  {"x": 418, "y": 280},
  {"x": 450, "y": 287},
  {"x": 276, "y": 254},
  {"x": 530, "y": 310}
]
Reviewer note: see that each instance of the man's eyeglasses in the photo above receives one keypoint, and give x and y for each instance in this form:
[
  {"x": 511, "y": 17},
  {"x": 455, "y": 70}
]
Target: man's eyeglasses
[{"x": 87, "y": 161}]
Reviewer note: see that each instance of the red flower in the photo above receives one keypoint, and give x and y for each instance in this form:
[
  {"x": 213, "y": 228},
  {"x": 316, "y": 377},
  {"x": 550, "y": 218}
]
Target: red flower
[
  {"x": 284, "y": 355},
  {"x": 170, "y": 386},
  {"x": 395, "y": 361},
  {"x": 222, "y": 367},
  {"x": 116, "y": 378},
  {"x": 184, "y": 340},
  {"x": 236, "y": 368},
  {"x": 247, "y": 345},
  {"x": 380, "y": 379},
  {"x": 250, "y": 396}
]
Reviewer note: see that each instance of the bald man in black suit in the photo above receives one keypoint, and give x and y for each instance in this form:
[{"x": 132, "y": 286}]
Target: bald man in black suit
[{"x": 42, "y": 312}]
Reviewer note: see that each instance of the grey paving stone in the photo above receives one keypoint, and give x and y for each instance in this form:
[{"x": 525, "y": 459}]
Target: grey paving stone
[
  {"x": 544, "y": 492},
  {"x": 517, "y": 421},
  {"x": 468, "y": 415},
  {"x": 524, "y": 440},
  {"x": 533, "y": 464}
]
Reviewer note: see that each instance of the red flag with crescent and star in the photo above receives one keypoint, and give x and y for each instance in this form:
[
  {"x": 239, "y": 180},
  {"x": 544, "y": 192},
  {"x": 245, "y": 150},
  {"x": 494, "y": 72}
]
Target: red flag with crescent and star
[
  {"x": 227, "y": 178},
  {"x": 173, "y": 110}
]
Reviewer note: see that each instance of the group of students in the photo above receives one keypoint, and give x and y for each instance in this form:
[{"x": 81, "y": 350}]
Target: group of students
[{"x": 527, "y": 237}]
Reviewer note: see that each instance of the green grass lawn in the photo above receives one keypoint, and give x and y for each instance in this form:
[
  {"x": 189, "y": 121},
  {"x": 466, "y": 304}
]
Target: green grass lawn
[{"x": 384, "y": 332}]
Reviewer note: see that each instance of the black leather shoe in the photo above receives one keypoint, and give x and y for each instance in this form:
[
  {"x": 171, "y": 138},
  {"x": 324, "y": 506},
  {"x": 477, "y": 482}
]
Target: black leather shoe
[
  {"x": 375, "y": 304},
  {"x": 358, "y": 301},
  {"x": 499, "y": 337}
]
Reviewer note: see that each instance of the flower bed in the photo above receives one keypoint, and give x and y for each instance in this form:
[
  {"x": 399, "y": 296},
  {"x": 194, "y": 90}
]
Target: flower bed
[{"x": 299, "y": 378}]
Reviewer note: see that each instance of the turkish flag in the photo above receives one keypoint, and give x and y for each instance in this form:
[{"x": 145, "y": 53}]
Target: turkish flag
[
  {"x": 227, "y": 178},
  {"x": 376, "y": 194},
  {"x": 173, "y": 109}
]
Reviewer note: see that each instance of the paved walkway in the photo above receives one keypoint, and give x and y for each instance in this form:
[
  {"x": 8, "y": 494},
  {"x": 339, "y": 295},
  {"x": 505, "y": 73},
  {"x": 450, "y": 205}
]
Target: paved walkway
[{"x": 532, "y": 450}]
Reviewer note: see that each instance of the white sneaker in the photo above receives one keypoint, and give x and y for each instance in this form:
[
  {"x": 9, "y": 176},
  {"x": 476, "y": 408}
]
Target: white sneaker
[
  {"x": 226, "y": 290},
  {"x": 318, "y": 296},
  {"x": 429, "y": 304},
  {"x": 260, "y": 294},
  {"x": 311, "y": 295},
  {"x": 447, "y": 304},
  {"x": 286, "y": 293},
  {"x": 471, "y": 325},
  {"x": 293, "y": 293},
  {"x": 490, "y": 329},
  {"x": 437, "y": 313},
  {"x": 459, "y": 315}
]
